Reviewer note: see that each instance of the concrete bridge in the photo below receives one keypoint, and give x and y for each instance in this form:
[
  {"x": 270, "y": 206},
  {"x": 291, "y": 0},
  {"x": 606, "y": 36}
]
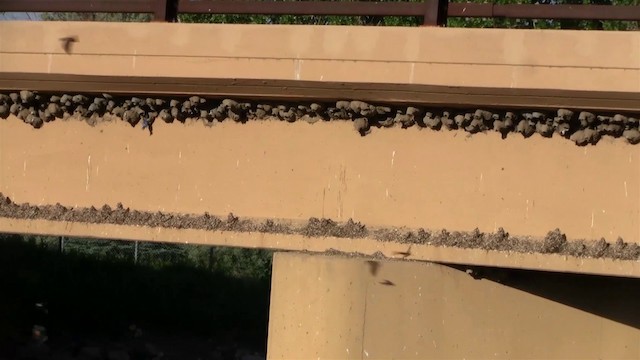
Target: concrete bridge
[{"x": 413, "y": 189}]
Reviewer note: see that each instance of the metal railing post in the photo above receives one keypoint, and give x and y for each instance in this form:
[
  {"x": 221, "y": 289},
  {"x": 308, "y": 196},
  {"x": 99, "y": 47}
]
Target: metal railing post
[
  {"x": 165, "y": 11},
  {"x": 61, "y": 244},
  {"x": 135, "y": 253},
  {"x": 160, "y": 11},
  {"x": 435, "y": 13}
]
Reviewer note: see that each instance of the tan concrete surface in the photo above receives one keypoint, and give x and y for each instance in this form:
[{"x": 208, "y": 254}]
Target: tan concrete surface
[
  {"x": 529, "y": 59},
  {"x": 365, "y": 246},
  {"x": 392, "y": 177},
  {"x": 335, "y": 308}
]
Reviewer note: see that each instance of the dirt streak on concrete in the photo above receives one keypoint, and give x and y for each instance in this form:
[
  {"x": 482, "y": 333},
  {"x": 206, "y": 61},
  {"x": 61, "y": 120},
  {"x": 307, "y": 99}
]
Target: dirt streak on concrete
[{"x": 554, "y": 243}]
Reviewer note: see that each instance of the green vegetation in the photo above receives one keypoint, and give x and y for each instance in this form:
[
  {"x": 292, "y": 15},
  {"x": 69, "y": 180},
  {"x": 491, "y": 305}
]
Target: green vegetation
[
  {"x": 414, "y": 21},
  {"x": 95, "y": 288},
  {"x": 235, "y": 262},
  {"x": 118, "y": 17}
]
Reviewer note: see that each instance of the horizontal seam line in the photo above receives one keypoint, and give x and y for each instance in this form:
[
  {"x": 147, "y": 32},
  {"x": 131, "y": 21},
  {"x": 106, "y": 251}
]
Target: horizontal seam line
[{"x": 323, "y": 59}]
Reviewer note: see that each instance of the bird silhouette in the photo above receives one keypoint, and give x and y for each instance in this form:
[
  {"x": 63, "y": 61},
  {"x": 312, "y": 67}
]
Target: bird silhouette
[
  {"x": 361, "y": 125},
  {"x": 67, "y": 43},
  {"x": 387, "y": 283},
  {"x": 374, "y": 266},
  {"x": 404, "y": 254},
  {"x": 432, "y": 121},
  {"x": 147, "y": 124},
  {"x": 632, "y": 135},
  {"x": 474, "y": 273}
]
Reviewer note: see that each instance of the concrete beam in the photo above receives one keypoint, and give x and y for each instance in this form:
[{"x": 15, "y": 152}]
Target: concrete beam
[
  {"x": 335, "y": 307},
  {"x": 272, "y": 169},
  {"x": 279, "y": 55}
]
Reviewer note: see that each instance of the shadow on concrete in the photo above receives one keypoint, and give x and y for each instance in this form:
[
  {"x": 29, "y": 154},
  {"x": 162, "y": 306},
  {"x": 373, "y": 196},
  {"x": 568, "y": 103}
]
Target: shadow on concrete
[{"x": 613, "y": 298}]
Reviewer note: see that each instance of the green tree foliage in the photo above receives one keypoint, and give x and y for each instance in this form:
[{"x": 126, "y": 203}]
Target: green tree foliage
[
  {"x": 382, "y": 21},
  {"x": 544, "y": 23},
  {"x": 89, "y": 290},
  {"x": 416, "y": 21},
  {"x": 233, "y": 262},
  {"x": 118, "y": 17},
  {"x": 304, "y": 20}
]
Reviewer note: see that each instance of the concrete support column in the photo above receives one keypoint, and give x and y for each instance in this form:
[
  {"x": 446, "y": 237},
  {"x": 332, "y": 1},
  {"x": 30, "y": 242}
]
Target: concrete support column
[{"x": 331, "y": 307}]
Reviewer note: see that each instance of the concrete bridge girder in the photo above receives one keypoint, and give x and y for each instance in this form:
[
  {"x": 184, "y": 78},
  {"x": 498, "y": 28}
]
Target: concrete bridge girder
[{"x": 350, "y": 308}]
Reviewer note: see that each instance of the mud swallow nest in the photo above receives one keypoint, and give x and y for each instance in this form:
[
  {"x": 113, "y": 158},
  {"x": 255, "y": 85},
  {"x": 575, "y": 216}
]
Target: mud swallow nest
[
  {"x": 581, "y": 127},
  {"x": 555, "y": 242}
]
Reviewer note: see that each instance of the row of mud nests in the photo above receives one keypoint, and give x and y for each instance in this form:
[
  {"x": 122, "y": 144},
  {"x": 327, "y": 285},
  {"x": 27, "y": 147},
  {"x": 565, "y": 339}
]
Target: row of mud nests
[
  {"x": 555, "y": 242},
  {"x": 581, "y": 127}
]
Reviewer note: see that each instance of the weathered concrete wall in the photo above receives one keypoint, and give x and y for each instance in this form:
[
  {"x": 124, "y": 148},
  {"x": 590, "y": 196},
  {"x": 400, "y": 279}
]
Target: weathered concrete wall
[
  {"x": 527, "y": 59},
  {"x": 349, "y": 308}
]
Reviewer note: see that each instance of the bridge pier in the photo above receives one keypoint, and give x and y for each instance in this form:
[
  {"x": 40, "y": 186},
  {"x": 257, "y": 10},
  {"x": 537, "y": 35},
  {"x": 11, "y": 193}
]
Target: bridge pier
[{"x": 336, "y": 307}]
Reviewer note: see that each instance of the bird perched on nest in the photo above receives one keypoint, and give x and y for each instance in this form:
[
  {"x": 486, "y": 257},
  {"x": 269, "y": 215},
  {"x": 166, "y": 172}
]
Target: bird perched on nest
[
  {"x": 432, "y": 121},
  {"x": 526, "y": 126},
  {"x": 146, "y": 124},
  {"x": 361, "y": 125},
  {"x": 631, "y": 132},
  {"x": 506, "y": 125}
]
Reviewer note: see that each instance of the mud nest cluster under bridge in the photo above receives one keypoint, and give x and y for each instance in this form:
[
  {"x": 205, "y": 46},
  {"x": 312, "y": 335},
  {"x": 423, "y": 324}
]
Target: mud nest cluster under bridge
[
  {"x": 555, "y": 242},
  {"x": 581, "y": 127}
]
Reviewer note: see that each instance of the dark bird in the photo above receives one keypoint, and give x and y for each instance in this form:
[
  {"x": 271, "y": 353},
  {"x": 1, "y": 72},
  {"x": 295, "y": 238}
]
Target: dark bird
[
  {"x": 432, "y": 121},
  {"x": 361, "y": 125},
  {"x": 447, "y": 121},
  {"x": 67, "y": 43},
  {"x": 374, "y": 266},
  {"x": 632, "y": 135},
  {"x": 387, "y": 283},
  {"x": 474, "y": 273},
  {"x": 147, "y": 124},
  {"x": 404, "y": 254}
]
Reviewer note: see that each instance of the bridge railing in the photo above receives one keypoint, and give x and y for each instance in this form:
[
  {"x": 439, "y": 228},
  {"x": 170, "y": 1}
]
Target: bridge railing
[{"x": 433, "y": 12}]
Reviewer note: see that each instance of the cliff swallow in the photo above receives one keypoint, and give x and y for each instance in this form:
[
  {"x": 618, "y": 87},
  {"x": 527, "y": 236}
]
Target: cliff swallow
[
  {"x": 404, "y": 254},
  {"x": 67, "y": 43},
  {"x": 374, "y": 266},
  {"x": 387, "y": 283},
  {"x": 147, "y": 124}
]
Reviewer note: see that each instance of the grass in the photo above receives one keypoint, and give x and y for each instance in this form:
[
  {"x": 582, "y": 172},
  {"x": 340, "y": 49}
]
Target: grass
[{"x": 94, "y": 288}]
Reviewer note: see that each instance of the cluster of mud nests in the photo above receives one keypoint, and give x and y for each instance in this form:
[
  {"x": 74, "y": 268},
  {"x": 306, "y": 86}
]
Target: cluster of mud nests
[
  {"x": 554, "y": 243},
  {"x": 581, "y": 127}
]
